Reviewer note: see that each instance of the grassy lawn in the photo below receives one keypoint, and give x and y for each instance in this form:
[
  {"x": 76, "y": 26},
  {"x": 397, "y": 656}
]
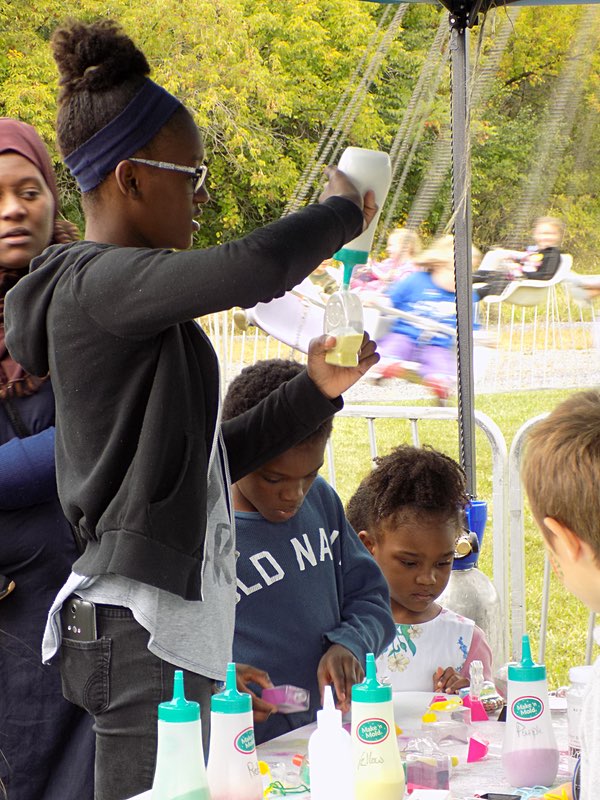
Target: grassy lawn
[{"x": 567, "y": 628}]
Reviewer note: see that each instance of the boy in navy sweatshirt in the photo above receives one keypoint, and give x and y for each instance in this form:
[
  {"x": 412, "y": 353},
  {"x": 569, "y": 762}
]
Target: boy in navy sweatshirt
[{"x": 311, "y": 601}]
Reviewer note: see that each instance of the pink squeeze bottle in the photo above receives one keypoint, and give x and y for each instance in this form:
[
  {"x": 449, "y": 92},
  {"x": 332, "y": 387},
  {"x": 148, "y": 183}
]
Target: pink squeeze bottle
[
  {"x": 233, "y": 772},
  {"x": 529, "y": 751}
]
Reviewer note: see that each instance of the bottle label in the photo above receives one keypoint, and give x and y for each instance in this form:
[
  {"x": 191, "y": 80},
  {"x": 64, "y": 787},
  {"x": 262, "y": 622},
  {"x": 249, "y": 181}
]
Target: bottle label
[
  {"x": 527, "y": 708},
  {"x": 244, "y": 741},
  {"x": 373, "y": 731}
]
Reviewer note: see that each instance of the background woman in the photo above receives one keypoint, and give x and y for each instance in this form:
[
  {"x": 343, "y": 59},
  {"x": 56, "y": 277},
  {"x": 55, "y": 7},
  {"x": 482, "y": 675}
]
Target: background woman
[{"x": 46, "y": 743}]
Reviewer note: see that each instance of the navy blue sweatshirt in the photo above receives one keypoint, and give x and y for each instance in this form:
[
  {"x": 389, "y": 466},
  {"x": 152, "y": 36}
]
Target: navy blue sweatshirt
[{"x": 304, "y": 585}]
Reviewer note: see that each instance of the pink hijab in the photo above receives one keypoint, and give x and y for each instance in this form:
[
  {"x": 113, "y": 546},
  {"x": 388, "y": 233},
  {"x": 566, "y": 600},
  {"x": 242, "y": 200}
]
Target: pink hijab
[
  {"x": 21, "y": 138},
  {"x": 18, "y": 137}
]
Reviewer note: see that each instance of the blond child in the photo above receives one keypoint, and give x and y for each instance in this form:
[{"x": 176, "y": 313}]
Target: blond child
[
  {"x": 561, "y": 475},
  {"x": 428, "y": 294},
  {"x": 539, "y": 262}
]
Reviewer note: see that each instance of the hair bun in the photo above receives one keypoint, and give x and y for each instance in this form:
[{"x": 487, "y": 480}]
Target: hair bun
[{"x": 95, "y": 57}]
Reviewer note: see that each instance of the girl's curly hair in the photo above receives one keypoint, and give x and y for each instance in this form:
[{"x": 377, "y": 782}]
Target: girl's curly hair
[{"x": 417, "y": 480}]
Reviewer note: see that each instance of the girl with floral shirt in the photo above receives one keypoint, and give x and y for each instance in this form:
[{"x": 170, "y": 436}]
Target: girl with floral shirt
[{"x": 409, "y": 513}]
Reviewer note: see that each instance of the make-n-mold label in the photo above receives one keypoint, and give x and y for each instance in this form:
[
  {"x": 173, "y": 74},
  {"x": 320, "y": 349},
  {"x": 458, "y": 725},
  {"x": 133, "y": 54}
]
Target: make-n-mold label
[
  {"x": 527, "y": 708},
  {"x": 373, "y": 731},
  {"x": 244, "y": 741}
]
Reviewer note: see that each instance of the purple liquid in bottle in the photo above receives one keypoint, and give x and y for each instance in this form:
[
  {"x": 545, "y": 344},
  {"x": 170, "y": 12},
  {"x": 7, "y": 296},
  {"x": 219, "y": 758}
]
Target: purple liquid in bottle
[
  {"x": 531, "y": 767},
  {"x": 529, "y": 751}
]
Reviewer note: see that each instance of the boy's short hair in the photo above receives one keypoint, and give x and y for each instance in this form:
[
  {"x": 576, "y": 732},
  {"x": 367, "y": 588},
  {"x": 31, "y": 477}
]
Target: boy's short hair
[
  {"x": 257, "y": 381},
  {"x": 561, "y": 468},
  {"x": 408, "y": 481},
  {"x": 360, "y": 506}
]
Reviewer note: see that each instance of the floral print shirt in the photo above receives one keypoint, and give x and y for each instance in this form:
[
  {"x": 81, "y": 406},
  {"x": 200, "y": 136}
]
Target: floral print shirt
[{"x": 448, "y": 640}]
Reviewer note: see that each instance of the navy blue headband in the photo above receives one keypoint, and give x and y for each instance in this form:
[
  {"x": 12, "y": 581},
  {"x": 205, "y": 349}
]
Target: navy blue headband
[{"x": 134, "y": 127}]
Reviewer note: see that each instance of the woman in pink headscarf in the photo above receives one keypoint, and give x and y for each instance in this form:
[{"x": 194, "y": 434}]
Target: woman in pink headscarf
[{"x": 46, "y": 743}]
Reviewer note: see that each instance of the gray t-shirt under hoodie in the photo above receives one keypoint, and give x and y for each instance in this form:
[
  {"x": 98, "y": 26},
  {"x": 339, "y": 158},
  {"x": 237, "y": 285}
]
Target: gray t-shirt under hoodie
[{"x": 193, "y": 635}]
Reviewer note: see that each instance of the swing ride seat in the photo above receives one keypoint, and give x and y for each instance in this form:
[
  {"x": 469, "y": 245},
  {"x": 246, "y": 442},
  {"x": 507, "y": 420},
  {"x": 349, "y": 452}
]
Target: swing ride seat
[
  {"x": 293, "y": 319},
  {"x": 297, "y": 317},
  {"x": 532, "y": 292}
]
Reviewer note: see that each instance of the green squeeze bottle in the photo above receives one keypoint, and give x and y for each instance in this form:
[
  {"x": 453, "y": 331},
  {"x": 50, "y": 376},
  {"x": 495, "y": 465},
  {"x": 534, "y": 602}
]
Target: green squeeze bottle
[
  {"x": 378, "y": 771},
  {"x": 368, "y": 169},
  {"x": 180, "y": 773}
]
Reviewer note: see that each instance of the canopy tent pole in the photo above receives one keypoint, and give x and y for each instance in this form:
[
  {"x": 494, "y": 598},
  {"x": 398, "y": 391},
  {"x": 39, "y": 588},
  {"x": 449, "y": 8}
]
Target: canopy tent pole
[{"x": 461, "y": 206}]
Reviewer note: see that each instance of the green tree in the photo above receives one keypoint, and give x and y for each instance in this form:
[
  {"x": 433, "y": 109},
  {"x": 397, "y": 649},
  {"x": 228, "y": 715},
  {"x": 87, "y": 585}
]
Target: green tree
[{"x": 263, "y": 77}]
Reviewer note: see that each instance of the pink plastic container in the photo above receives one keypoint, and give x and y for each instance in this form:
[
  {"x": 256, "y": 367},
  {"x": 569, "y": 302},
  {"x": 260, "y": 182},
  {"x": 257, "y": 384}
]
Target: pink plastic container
[{"x": 287, "y": 698}]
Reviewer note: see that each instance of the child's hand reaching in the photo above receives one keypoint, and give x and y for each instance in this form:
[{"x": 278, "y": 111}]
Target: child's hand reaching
[
  {"x": 340, "y": 668},
  {"x": 448, "y": 681},
  {"x": 330, "y": 379},
  {"x": 246, "y": 674}
]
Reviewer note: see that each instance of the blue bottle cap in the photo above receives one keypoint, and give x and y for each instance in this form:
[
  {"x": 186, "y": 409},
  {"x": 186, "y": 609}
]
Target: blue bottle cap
[
  {"x": 476, "y": 517},
  {"x": 230, "y": 701},
  {"x": 370, "y": 690},
  {"x": 527, "y": 669},
  {"x": 179, "y": 709}
]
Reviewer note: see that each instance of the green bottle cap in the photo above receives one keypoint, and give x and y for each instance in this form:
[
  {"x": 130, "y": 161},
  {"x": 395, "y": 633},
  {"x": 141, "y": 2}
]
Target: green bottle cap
[
  {"x": 527, "y": 669},
  {"x": 350, "y": 258},
  {"x": 230, "y": 701},
  {"x": 179, "y": 709},
  {"x": 370, "y": 690}
]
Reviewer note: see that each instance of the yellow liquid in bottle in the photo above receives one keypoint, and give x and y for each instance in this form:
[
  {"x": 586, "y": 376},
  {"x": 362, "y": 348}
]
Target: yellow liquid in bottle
[
  {"x": 345, "y": 352},
  {"x": 382, "y": 790}
]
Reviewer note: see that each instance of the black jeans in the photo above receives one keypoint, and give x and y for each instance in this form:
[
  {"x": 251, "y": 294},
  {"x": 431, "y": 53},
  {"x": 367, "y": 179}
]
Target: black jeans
[{"x": 120, "y": 683}]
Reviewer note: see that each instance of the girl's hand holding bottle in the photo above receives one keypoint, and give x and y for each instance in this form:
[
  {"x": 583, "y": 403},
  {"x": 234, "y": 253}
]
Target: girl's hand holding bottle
[
  {"x": 340, "y": 185},
  {"x": 330, "y": 379},
  {"x": 449, "y": 681}
]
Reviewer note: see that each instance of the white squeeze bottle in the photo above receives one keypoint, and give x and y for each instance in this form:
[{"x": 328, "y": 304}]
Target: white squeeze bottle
[
  {"x": 233, "y": 772},
  {"x": 378, "y": 771},
  {"x": 368, "y": 169},
  {"x": 529, "y": 751},
  {"x": 579, "y": 677},
  {"x": 180, "y": 772},
  {"x": 330, "y": 755}
]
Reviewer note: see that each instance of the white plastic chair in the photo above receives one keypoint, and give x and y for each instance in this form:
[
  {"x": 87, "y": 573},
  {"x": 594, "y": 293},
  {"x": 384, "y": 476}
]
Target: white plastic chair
[{"x": 532, "y": 292}]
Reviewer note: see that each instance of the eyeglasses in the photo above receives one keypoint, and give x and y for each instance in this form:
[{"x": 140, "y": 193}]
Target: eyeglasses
[{"x": 198, "y": 174}]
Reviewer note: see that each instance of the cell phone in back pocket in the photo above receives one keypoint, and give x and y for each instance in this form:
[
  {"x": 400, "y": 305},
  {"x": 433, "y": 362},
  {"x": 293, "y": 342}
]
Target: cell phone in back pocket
[{"x": 78, "y": 618}]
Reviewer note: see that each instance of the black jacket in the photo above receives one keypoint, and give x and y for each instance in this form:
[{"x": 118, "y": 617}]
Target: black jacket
[
  {"x": 548, "y": 266},
  {"x": 135, "y": 382}
]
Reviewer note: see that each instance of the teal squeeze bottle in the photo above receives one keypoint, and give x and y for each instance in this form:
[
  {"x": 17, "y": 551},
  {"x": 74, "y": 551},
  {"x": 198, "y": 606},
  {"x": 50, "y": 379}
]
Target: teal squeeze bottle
[
  {"x": 180, "y": 773},
  {"x": 233, "y": 772},
  {"x": 529, "y": 753},
  {"x": 378, "y": 771}
]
